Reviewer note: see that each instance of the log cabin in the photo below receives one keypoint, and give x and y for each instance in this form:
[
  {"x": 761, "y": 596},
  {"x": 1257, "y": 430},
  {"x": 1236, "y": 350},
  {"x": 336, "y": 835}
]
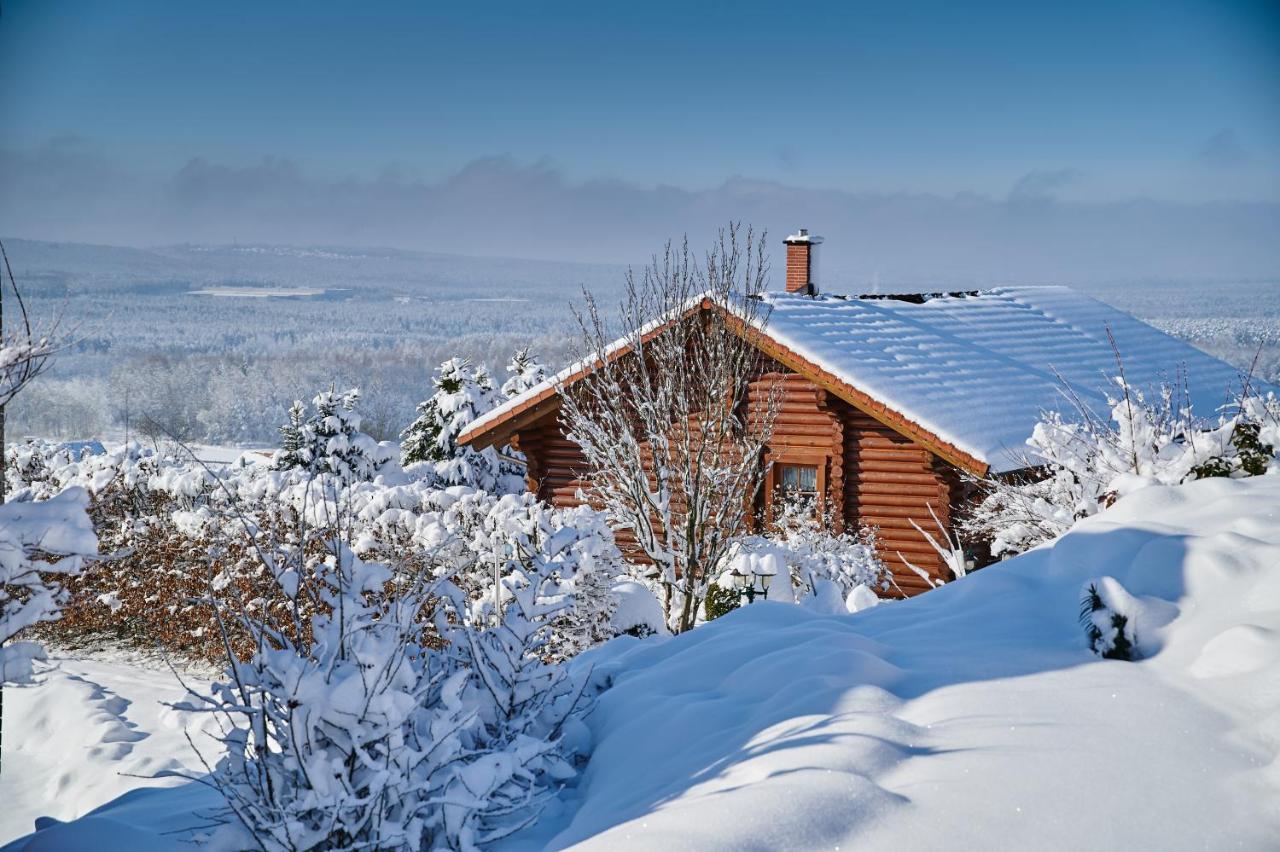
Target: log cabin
[{"x": 889, "y": 400}]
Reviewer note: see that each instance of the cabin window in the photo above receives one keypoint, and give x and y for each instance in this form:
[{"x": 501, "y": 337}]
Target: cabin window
[{"x": 797, "y": 482}]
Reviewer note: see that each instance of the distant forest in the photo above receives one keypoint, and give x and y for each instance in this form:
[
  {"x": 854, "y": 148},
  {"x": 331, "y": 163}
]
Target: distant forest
[{"x": 149, "y": 356}]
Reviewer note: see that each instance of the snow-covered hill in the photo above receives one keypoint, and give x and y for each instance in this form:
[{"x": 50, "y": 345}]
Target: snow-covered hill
[{"x": 972, "y": 716}]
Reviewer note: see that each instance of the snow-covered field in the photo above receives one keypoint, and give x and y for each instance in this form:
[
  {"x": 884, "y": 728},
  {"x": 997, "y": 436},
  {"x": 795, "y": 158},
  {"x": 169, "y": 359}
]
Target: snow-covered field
[{"x": 972, "y": 716}]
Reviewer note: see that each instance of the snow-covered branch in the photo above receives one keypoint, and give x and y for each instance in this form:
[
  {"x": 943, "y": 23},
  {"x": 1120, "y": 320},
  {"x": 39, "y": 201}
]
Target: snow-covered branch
[
  {"x": 671, "y": 430},
  {"x": 1081, "y": 463},
  {"x": 40, "y": 542}
]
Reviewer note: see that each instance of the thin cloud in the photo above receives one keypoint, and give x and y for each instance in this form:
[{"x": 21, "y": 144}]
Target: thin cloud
[
  {"x": 500, "y": 206},
  {"x": 1041, "y": 184},
  {"x": 1224, "y": 150}
]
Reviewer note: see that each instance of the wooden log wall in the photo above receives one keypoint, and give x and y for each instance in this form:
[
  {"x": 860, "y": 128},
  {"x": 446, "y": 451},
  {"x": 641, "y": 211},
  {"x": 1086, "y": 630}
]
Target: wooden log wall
[
  {"x": 556, "y": 465},
  {"x": 806, "y": 430},
  {"x": 558, "y": 471},
  {"x": 873, "y": 475},
  {"x": 891, "y": 481}
]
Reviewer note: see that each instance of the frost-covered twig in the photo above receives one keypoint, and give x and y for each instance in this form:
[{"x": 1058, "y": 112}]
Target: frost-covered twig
[{"x": 674, "y": 416}]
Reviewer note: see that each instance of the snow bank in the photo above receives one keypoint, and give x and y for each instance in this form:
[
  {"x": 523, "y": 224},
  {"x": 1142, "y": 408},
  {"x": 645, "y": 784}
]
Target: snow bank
[{"x": 973, "y": 716}]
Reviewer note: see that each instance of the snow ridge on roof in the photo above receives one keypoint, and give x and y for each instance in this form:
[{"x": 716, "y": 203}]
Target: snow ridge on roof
[{"x": 975, "y": 369}]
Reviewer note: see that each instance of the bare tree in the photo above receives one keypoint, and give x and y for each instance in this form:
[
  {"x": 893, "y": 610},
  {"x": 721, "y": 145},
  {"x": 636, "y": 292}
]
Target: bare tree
[
  {"x": 666, "y": 417},
  {"x": 24, "y": 354}
]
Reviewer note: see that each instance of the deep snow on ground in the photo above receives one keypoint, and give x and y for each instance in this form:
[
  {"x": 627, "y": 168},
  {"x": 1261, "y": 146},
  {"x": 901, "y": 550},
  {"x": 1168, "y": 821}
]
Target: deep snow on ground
[
  {"x": 972, "y": 716},
  {"x": 91, "y": 731}
]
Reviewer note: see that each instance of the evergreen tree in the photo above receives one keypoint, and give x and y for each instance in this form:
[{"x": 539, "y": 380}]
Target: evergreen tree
[
  {"x": 463, "y": 393},
  {"x": 289, "y": 456},
  {"x": 526, "y": 372},
  {"x": 330, "y": 440}
]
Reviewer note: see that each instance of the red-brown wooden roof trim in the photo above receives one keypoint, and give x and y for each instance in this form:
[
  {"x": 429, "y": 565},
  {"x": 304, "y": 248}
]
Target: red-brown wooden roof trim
[{"x": 500, "y": 430}]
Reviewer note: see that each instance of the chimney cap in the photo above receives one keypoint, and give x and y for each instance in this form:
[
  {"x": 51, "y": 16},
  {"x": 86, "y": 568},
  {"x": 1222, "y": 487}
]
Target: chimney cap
[{"x": 803, "y": 237}]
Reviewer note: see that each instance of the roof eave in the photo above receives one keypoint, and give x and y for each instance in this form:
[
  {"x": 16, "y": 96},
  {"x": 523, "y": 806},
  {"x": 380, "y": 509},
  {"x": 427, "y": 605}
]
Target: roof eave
[{"x": 500, "y": 430}]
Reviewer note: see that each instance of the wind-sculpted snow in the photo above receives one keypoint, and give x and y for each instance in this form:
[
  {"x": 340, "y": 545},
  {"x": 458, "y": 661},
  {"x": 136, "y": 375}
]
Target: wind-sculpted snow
[{"x": 974, "y": 716}]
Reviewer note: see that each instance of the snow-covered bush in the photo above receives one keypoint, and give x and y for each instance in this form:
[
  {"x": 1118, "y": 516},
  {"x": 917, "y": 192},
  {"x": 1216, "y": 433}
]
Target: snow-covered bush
[
  {"x": 527, "y": 738},
  {"x": 463, "y": 393},
  {"x": 385, "y": 719},
  {"x": 638, "y": 612},
  {"x": 40, "y": 543},
  {"x": 329, "y": 440},
  {"x": 847, "y": 559},
  {"x": 821, "y": 564},
  {"x": 324, "y": 749},
  {"x": 170, "y": 518},
  {"x": 721, "y": 600},
  {"x": 1079, "y": 465},
  {"x": 1253, "y": 443},
  {"x": 1108, "y": 625},
  {"x": 514, "y": 537}
]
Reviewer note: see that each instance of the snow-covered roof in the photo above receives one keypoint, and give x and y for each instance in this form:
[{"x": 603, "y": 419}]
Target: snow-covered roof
[
  {"x": 974, "y": 370},
  {"x": 978, "y": 370}
]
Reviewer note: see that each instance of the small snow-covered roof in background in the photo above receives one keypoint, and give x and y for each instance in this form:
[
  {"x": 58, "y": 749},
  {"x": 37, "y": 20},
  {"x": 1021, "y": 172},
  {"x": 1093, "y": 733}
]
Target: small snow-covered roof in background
[
  {"x": 978, "y": 369},
  {"x": 975, "y": 369}
]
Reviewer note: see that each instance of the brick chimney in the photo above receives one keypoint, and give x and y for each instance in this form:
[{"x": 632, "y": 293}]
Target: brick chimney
[{"x": 802, "y": 263}]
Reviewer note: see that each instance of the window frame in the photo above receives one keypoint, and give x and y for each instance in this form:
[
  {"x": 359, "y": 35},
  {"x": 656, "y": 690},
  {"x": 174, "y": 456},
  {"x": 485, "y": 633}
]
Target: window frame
[{"x": 818, "y": 459}]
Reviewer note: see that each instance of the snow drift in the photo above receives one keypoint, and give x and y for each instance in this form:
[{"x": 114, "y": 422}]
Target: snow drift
[{"x": 975, "y": 715}]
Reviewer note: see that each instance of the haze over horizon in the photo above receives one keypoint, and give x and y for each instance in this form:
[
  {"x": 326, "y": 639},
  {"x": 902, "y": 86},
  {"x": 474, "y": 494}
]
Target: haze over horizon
[{"x": 937, "y": 141}]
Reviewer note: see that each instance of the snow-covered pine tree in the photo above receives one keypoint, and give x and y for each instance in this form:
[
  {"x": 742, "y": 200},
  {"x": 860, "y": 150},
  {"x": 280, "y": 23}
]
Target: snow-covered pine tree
[
  {"x": 330, "y": 441},
  {"x": 526, "y": 372},
  {"x": 289, "y": 456},
  {"x": 463, "y": 393}
]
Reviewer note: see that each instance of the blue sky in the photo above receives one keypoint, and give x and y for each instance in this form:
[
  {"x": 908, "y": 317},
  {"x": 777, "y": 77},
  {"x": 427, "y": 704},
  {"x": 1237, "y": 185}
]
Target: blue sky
[{"x": 1174, "y": 102}]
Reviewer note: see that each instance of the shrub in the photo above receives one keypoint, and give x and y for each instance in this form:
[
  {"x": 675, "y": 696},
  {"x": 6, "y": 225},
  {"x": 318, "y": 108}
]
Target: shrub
[
  {"x": 721, "y": 601},
  {"x": 815, "y": 555},
  {"x": 174, "y": 528},
  {"x": 1109, "y": 630},
  {"x": 41, "y": 544},
  {"x": 1078, "y": 467},
  {"x": 384, "y": 719}
]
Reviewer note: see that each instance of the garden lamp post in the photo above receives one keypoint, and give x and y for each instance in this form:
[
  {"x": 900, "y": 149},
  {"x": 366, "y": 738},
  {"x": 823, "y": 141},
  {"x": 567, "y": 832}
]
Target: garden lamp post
[{"x": 752, "y": 585}]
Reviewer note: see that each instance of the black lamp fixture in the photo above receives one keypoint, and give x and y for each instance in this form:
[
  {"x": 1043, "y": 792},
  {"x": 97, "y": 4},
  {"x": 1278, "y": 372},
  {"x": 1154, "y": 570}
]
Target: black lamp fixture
[{"x": 752, "y": 585}]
